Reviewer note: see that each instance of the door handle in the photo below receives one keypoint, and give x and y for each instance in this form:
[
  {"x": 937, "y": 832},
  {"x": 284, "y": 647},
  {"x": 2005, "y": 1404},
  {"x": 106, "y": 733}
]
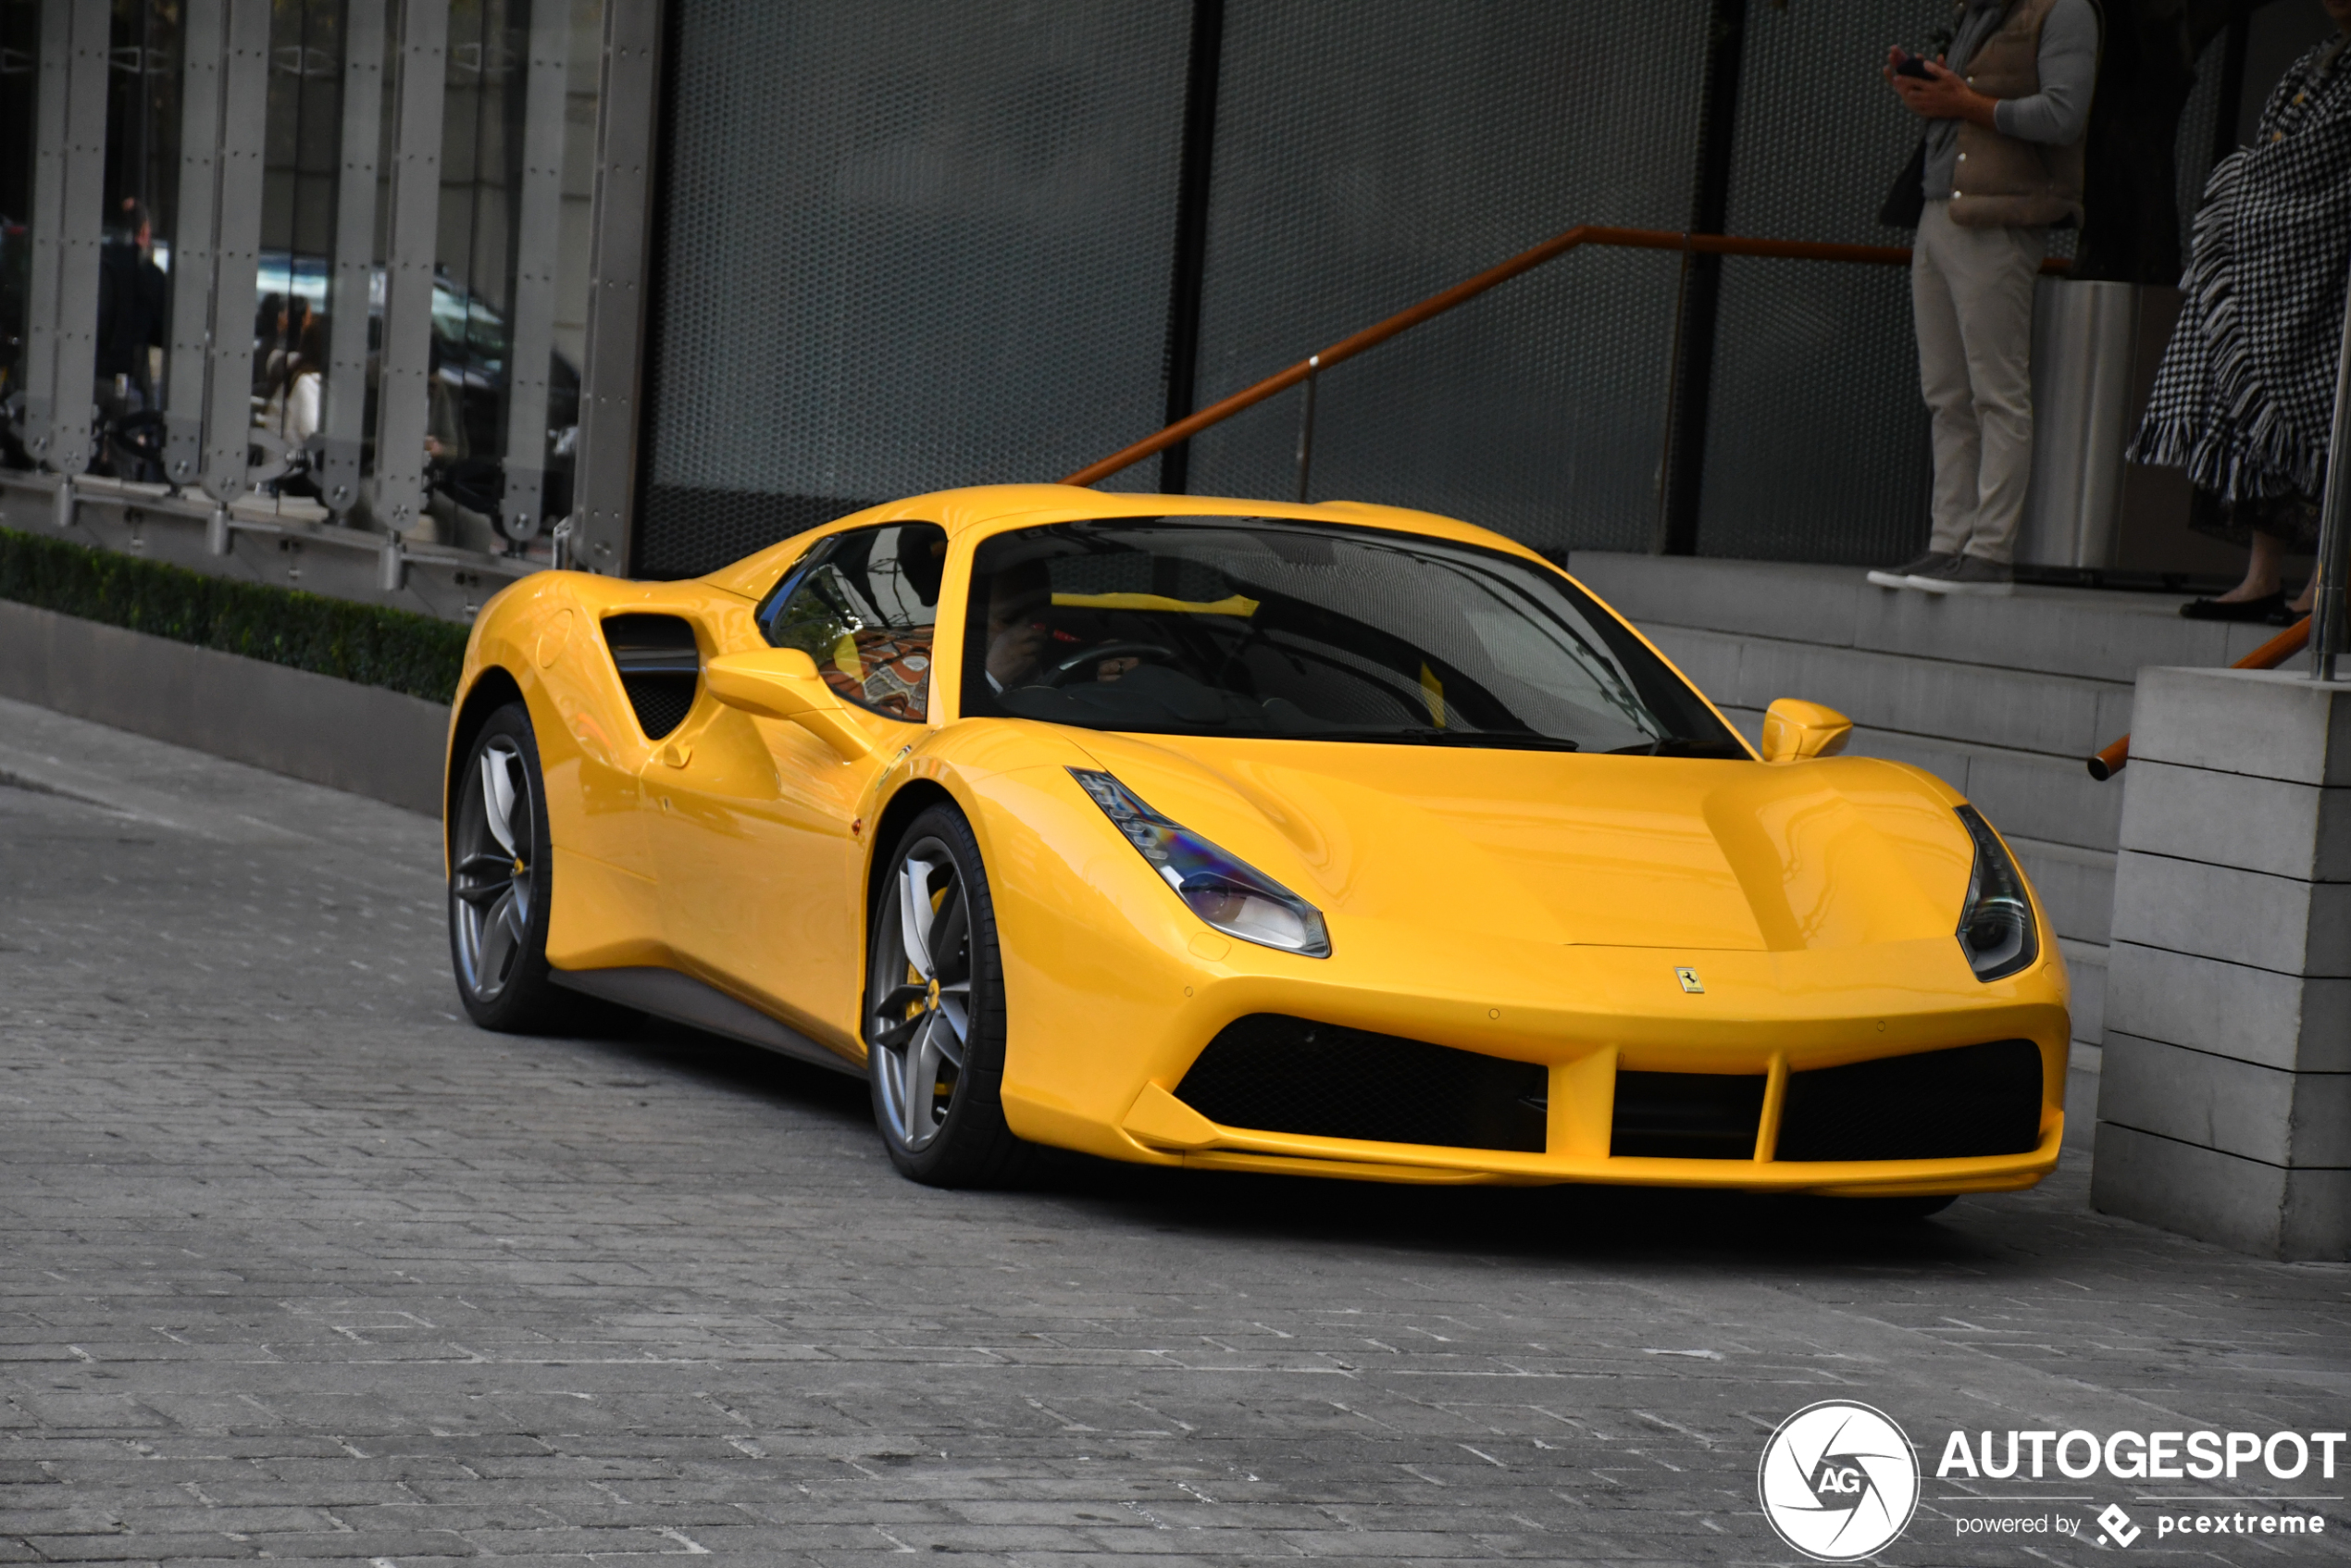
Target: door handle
[{"x": 675, "y": 754}]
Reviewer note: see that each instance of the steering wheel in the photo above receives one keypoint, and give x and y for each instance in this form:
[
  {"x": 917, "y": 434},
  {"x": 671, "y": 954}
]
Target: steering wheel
[{"x": 1059, "y": 673}]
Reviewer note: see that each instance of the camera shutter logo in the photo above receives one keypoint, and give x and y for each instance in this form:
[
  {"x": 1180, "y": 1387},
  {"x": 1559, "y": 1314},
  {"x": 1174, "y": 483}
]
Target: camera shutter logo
[{"x": 1839, "y": 1480}]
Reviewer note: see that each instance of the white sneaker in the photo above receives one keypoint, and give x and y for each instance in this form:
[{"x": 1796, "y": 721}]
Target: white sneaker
[{"x": 1905, "y": 575}]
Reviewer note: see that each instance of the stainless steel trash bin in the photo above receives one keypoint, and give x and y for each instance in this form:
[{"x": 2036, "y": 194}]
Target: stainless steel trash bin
[{"x": 2085, "y": 344}]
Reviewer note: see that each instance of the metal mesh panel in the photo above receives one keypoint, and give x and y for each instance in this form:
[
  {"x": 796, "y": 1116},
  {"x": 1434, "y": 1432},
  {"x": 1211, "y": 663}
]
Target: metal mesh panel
[
  {"x": 1816, "y": 444},
  {"x": 1275, "y": 1074},
  {"x": 2199, "y": 126},
  {"x": 1978, "y": 1100},
  {"x": 904, "y": 247},
  {"x": 1368, "y": 158}
]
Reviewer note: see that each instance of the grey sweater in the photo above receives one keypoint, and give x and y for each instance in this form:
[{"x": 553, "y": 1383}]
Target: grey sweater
[{"x": 2055, "y": 115}]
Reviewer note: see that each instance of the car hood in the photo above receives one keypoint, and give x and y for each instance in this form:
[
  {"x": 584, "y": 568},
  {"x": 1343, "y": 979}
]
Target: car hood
[{"x": 1600, "y": 850}]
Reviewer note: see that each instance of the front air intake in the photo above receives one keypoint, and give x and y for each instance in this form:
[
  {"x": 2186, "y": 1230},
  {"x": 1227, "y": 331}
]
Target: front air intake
[
  {"x": 1268, "y": 1073},
  {"x": 660, "y": 668},
  {"x": 1686, "y": 1115},
  {"x": 1978, "y": 1100}
]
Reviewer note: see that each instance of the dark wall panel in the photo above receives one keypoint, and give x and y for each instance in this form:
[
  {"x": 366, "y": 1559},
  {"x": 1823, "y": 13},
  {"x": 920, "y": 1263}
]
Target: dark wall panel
[
  {"x": 904, "y": 247},
  {"x": 1374, "y": 154},
  {"x": 1816, "y": 441}
]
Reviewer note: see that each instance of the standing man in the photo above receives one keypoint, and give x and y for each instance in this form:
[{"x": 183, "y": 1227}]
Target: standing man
[{"x": 2005, "y": 110}]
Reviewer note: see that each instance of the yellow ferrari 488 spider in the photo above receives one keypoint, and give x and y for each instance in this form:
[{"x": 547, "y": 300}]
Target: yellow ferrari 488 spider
[{"x": 1333, "y": 840}]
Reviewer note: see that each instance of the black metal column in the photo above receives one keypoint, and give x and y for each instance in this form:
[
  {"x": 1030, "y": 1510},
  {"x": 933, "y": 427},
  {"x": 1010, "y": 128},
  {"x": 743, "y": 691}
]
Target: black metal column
[
  {"x": 1682, "y": 467},
  {"x": 1191, "y": 232}
]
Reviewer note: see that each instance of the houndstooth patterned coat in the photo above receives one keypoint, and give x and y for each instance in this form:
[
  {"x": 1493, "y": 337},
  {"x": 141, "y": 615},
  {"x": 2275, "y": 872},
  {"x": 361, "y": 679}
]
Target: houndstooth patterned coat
[{"x": 2244, "y": 399}]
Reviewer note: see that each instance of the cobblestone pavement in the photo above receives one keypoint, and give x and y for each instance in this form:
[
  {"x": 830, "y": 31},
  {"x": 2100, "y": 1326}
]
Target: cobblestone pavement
[{"x": 297, "y": 1265}]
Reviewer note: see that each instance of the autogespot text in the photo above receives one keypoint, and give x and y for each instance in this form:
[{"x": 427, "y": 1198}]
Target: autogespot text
[{"x": 2136, "y": 1456}]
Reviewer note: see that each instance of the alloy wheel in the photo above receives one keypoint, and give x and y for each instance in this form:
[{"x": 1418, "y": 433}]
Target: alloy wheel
[
  {"x": 490, "y": 887},
  {"x": 919, "y": 1025}
]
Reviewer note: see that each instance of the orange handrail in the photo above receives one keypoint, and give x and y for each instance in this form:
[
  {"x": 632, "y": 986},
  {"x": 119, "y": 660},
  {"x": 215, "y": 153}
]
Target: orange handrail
[
  {"x": 2269, "y": 655},
  {"x": 1462, "y": 292}
]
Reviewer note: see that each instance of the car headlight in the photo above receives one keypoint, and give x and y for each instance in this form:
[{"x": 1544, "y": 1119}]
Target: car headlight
[
  {"x": 1227, "y": 892},
  {"x": 1995, "y": 924}
]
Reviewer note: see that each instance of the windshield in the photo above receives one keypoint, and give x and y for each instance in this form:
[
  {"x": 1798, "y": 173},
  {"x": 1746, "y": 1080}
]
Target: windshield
[{"x": 1248, "y": 627}]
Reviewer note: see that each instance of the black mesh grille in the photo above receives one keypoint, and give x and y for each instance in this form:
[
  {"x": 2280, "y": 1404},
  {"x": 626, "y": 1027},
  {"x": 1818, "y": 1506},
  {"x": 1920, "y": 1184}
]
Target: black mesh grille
[
  {"x": 1978, "y": 1100},
  {"x": 1369, "y": 155},
  {"x": 1816, "y": 441},
  {"x": 1275, "y": 1074},
  {"x": 904, "y": 245},
  {"x": 660, "y": 668},
  {"x": 662, "y": 701},
  {"x": 1686, "y": 1115}
]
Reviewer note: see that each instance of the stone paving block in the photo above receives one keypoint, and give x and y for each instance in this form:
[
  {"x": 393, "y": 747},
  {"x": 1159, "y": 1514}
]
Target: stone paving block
[
  {"x": 2085, "y": 970},
  {"x": 2222, "y": 1103},
  {"x": 391, "y": 1254},
  {"x": 2076, "y": 887},
  {"x": 2269, "y": 724},
  {"x": 2229, "y": 1009},
  {"x": 2275, "y": 923},
  {"x": 2243, "y": 1203},
  {"x": 2285, "y": 830}
]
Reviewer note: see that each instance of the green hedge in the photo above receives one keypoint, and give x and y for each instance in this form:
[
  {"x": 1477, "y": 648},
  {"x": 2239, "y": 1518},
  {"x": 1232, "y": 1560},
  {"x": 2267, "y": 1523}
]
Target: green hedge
[{"x": 395, "y": 649}]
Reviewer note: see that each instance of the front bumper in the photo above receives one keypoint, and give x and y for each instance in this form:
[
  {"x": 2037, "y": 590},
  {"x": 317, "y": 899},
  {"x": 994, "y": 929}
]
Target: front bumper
[
  {"x": 1100, "y": 1070},
  {"x": 1163, "y": 1124}
]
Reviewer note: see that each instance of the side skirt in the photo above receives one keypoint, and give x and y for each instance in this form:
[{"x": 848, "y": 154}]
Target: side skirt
[{"x": 681, "y": 999}]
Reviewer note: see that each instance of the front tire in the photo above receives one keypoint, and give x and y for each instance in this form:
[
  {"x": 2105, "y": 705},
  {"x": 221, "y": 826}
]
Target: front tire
[
  {"x": 934, "y": 1015},
  {"x": 500, "y": 857}
]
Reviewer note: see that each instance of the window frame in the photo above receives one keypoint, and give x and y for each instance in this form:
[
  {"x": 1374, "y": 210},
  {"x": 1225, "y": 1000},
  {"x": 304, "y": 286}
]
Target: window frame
[{"x": 819, "y": 552}]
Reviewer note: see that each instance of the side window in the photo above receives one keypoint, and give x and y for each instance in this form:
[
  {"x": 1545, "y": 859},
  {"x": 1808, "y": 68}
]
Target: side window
[{"x": 865, "y": 605}]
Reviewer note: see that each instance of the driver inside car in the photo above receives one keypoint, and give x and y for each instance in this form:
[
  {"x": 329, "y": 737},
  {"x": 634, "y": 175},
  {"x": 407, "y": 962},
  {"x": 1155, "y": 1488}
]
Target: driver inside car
[{"x": 1021, "y": 636}]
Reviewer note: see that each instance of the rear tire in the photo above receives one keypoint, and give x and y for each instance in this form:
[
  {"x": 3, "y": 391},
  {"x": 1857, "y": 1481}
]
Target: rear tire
[
  {"x": 499, "y": 886},
  {"x": 934, "y": 1014}
]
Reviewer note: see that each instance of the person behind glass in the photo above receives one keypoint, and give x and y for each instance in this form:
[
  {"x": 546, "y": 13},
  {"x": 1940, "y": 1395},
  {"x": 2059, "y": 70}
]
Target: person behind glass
[
  {"x": 285, "y": 350},
  {"x": 293, "y": 413},
  {"x": 268, "y": 336},
  {"x": 1020, "y": 603},
  {"x": 2005, "y": 110},
  {"x": 1019, "y": 598},
  {"x": 2244, "y": 399},
  {"x": 131, "y": 294}
]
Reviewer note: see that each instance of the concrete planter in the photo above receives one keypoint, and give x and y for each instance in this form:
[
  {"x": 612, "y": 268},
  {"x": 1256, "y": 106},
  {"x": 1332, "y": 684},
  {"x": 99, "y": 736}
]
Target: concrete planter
[
  {"x": 2225, "y": 1102},
  {"x": 370, "y": 741}
]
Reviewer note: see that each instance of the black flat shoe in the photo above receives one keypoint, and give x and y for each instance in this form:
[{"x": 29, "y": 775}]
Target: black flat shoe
[{"x": 2259, "y": 609}]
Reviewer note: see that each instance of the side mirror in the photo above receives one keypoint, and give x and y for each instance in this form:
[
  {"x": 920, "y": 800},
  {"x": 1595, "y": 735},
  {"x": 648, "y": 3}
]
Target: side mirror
[
  {"x": 1794, "y": 730},
  {"x": 783, "y": 683}
]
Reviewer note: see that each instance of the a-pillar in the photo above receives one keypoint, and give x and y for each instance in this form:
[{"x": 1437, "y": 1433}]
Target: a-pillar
[{"x": 2224, "y": 1103}]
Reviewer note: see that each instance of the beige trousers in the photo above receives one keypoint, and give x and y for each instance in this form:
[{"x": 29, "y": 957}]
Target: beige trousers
[{"x": 1971, "y": 294}]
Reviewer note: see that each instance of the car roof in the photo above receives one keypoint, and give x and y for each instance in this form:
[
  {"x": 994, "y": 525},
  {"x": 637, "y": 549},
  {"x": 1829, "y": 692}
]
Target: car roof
[{"x": 980, "y": 510}]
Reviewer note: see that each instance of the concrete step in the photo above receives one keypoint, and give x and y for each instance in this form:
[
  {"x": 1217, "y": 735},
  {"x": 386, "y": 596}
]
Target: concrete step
[
  {"x": 2006, "y": 699},
  {"x": 2088, "y": 633},
  {"x": 2028, "y": 793},
  {"x": 1971, "y": 703},
  {"x": 2076, "y": 887},
  {"x": 2085, "y": 962}
]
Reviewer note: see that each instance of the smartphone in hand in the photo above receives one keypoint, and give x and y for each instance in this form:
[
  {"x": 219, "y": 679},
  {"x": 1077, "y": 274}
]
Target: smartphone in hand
[{"x": 1912, "y": 64}]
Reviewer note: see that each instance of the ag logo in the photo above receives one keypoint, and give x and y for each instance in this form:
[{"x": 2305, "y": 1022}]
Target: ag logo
[{"x": 1839, "y": 1480}]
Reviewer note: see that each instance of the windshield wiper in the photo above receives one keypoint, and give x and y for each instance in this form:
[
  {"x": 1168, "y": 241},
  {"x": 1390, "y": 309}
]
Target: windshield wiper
[
  {"x": 1424, "y": 735},
  {"x": 1680, "y": 746}
]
